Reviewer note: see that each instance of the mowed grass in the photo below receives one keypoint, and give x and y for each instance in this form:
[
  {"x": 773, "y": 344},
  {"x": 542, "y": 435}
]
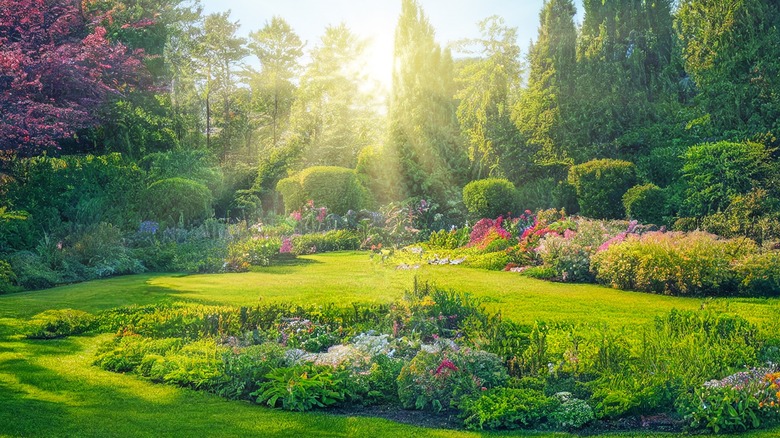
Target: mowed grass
[{"x": 49, "y": 388}]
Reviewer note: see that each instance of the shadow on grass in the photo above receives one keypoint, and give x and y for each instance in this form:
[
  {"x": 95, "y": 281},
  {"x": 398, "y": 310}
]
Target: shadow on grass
[{"x": 64, "y": 395}]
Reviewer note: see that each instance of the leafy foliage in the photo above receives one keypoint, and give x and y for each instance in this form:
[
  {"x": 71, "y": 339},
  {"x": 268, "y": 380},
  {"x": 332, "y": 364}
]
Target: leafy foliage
[
  {"x": 55, "y": 73},
  {"x": 491, "y": 197},
  {"x": 600, "y": 186},
  {"x": 175, "y": 200}
]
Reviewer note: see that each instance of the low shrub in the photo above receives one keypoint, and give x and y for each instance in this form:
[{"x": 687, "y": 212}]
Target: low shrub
[
  {"x": 7, "y": 277},
  {"x": 507, "y": 408},
  {"x": 335, "y": 240},
  {"x": 645, "y": 203},
  {"x": 32, "y": 272},
  {"x": 60, "y": 323},
  {"x": 490, "y": 197},
  {"x": 452, "y": 239},
  {"x": 252, "y": 252},
  {"x": 175, "y": 200},
  {"x": 437, "y": 381},
  {"x": 572, "y": 413},
  {"x": 337, "y": 187},
  {"x": 197, "y": 365},
  {"x": 692, "y": 264},
  {"x": 600, "y": 186},
  {"x": 245, "y": 369},
  {"x": 303, "y": 387},
  {"x": 126, "y": 353},
  {"x": 493, "y": 261},
  {"x": 759, "y": 275},
  {"x": 742, "y": 401},
  {"x": 540, "y": 272}
]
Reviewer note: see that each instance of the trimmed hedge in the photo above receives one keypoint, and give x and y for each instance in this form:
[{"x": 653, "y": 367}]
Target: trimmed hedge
[
  {"x": 600, "y": 186},
  {"x": 337, "y": 188},
  {"x": 645, "y": 203},
  {"x": 489, "y": 198},
  {"x": 178, "y": 198}
]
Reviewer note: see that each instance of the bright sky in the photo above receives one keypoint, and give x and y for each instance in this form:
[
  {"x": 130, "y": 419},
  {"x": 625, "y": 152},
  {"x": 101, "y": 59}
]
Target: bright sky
[{"x": 375, "y": 20}]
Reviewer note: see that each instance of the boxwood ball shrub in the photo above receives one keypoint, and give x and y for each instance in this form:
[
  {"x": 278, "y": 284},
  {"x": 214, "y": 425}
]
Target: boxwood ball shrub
[
  {"x": 172, "y": 199},
  {"x": 600, "y": 186},
  {"x": 645, "y": 203},
  {"x": 337, "y": 188},
  {"x": 489, "y": 198}
]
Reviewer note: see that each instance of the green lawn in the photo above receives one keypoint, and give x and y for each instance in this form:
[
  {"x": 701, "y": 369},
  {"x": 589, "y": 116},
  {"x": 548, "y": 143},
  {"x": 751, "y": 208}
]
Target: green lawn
[{"x": 49, "y": 388}]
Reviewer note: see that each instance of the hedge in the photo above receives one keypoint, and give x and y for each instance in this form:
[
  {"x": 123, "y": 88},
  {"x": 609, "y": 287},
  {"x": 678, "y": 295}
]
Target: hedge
[
  {"x": 489, "y": 198},
  {"x": 337, "y": 188},
  {"x": 600, "y": 185}
]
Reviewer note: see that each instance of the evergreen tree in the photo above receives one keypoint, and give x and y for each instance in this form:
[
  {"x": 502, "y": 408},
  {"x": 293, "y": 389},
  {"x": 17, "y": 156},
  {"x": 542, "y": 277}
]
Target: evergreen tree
[
  {"x": 423, "y": 141},
  {"x": 487, "y": 87},
  {"x": 220, "y": 53},
  {"x": 278, "y": 48},
  {"x": 544, "y": 106},
  {"x": 732, "y": 53},
  {"x": 625, "y": 73},
  {"x": 332, "y": 117}
]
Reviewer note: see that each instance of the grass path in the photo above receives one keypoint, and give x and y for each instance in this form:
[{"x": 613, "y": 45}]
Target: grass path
[{"x": 49, "y": 388}]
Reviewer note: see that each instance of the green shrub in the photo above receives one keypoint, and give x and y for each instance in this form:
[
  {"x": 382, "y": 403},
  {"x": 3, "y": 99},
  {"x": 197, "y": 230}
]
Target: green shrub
[
  {"x": 755, "y": 215},
  {"x": 717, "y": 172},
  {"x": 303, "y": 387},
  {"x": 493, "y": 261},
  {"x": 60, "y": 323},
  {"x": 507, "y": 408},
  {"x": 196, "y": 365},
  {"x": 540, "y": 272},
  {"x": 645, "y": 203},
  {"x": 7, "y": 277},
  {"x": 600, "y": 185},
  {"x": 438, "y": 381},
  {"x": 692, "y": 264},
  {"x": 338, "y": 188},
  {"x": 83, "y": 190},
  {"x": 572, "y": 414},
  {"x": 126, "y": 353},
  {"x": 452, "y": 239},
  {"x": 335, "y": 240},
  {"x": 246, "y": 369},
  {"x": 252, "y": 252},
  {"x": 489, "y": 198},
  {"x": 536, "y": 194},
  {"x": 32, "y": 272},
  {"x": 178, "y": 199},
  {"x": 759, "y": 275},
  {"x": 101, "y": 249},
  {"x": 742, "y": 401}
]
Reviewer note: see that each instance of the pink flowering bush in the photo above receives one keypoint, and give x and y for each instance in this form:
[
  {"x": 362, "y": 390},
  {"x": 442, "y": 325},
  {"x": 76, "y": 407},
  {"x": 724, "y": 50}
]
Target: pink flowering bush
[
  {"x": 438, "y": 381},
  {"x": 569, "y": 253}
]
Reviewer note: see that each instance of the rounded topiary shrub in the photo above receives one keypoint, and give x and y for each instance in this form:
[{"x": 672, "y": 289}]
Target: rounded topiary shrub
[
  {"x": 645, "y": 203},
  {"x": 174, "y": 199},
  {"x": 489, "y": 198},
  {"x": 600, "y": 185},
  {"x": 336, "y": 188}
]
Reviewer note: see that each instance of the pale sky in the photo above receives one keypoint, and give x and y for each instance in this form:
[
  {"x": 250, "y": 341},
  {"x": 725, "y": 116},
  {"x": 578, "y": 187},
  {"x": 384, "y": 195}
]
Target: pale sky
[{"x": 375, "y": 20}]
